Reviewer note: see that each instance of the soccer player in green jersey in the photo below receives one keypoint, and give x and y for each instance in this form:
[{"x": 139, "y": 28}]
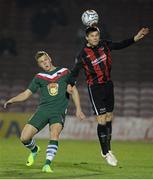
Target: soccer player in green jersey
[{"x": 53, "y": 84}]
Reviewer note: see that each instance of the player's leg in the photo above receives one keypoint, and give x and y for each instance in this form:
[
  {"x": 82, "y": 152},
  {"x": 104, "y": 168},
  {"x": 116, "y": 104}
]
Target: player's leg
[
  {"x": 109, "y": 118},
  {"x": 27, "y": 139},
  {"x": 103, "y": 138},
  {"x": 35, "y": 124},
  {"x": 56, "y": 126},
  {"x": 102, "y": 132},
  {"x": 109, "y": 109},
  {"x": 97, "y": 97},
  {"x": 109, "y": 115}
]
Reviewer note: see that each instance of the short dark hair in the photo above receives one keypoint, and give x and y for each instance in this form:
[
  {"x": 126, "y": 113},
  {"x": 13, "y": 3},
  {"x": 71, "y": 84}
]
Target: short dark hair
[
  {"x": 39, "y": 54},
  {"x": 91, "y": 29}
]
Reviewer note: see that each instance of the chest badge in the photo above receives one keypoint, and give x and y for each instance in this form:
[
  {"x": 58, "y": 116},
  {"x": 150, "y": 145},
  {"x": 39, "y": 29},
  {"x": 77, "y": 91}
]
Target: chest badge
[{"x": 53, "y": 89}]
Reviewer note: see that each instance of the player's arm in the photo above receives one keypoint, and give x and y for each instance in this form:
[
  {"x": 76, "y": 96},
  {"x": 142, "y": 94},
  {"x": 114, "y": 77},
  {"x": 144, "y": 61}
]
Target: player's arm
[
  {"x": 76, "y": 100},
  {"x": 25, "y": 94},
  {"x": 127, "y": 42},
  {"x": 75, "y": 71},
  {"x": 19, "y": 98}
]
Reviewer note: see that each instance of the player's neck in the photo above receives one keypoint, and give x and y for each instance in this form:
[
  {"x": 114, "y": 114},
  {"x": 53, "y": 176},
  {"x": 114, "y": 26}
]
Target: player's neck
[{"x": 91, "y": 45}]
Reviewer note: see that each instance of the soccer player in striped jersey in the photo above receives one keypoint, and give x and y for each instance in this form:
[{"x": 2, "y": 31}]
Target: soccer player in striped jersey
[
  {"x": 53, "y": 85},
  {"x": 95, "y": 60}
]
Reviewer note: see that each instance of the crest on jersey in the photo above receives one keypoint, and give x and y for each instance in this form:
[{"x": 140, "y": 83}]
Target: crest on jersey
[{"x": 52, "y": 89}]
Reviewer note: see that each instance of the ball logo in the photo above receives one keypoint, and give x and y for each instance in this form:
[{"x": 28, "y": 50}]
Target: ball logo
[{"x": 53, "y": 89}]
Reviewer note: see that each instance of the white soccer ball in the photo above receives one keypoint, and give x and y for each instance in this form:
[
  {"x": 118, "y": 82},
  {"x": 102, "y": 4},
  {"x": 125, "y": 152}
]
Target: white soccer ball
[{"x": 89, "y": 17}]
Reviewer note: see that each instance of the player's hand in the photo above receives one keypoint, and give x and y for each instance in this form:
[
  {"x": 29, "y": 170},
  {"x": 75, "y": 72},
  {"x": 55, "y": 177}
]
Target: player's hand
[
  {"x": 80, "y": 115},
  {"x": 7, "y": 103},
  {"x": 143, "y": 32},
  {"x": 69, "y": 89}
]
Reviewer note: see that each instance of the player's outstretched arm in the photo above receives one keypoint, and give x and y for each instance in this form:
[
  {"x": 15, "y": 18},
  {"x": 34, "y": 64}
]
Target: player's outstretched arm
[
  {"x": 76, "y": 100},
  {"x": 19, "y": 98},
  {"x": 141, "y": 34},
  {"x": 127, "y": 42}
]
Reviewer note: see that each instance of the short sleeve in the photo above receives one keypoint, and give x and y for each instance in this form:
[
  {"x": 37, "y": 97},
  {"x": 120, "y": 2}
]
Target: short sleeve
[{"x": 33, "y": 86}]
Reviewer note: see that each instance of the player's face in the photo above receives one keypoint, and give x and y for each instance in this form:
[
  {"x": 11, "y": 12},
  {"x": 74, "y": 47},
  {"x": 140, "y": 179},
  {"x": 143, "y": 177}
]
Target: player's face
[
  {"x": 93, "y": 38},
  {"x": 45, "y": 62}
]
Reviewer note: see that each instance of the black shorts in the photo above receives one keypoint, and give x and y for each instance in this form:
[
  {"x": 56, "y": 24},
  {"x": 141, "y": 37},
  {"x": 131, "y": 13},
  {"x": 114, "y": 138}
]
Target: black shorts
[{"x": 102, "y": 97}]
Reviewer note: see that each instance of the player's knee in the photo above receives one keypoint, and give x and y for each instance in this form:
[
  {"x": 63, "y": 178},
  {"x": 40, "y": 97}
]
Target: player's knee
[
  {"x": 101, "y": 119},
  {"x": 24, "y": 138},
  {"x": 55, "y": 135},
  {"x": 109, "y": 116}
]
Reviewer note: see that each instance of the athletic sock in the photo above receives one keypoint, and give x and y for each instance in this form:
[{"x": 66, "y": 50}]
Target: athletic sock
[
  {"x": 102, "y": 135},
  {"x": 31, "y": 145},
  {"x": 51, "y": 151},
  {"x": 109, "y": 134}
]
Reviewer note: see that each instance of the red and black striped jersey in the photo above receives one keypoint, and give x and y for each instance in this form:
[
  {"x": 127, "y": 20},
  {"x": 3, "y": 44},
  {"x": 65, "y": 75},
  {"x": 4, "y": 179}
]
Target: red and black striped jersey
[{"x": 96, "y": 61}]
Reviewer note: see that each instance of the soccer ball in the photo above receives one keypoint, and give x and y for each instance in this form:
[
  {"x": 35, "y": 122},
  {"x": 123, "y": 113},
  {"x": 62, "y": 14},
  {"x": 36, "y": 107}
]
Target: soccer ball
[{"x": 89, "y": 17}]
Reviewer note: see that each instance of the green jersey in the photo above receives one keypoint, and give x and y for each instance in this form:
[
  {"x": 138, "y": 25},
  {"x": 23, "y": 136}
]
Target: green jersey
[{"x": 53, "y": 86}]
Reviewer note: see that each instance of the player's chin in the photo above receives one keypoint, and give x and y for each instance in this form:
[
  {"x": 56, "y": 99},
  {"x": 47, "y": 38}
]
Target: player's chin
[
  {"x": 46, "y": 68},
  {"x": 95, "y": 43}
]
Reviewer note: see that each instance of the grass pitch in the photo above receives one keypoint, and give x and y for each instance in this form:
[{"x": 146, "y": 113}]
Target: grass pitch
[{"x": 77, "y": 159}]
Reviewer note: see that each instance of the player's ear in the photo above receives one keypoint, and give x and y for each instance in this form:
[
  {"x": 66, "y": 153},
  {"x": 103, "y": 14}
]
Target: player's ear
[
  {"x": 87, "y": 38},
  {"x": 38, "y": 64}
]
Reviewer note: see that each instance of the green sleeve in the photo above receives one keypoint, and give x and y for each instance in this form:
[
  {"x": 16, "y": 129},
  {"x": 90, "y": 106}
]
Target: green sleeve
[{"x": 33, "y": 86}]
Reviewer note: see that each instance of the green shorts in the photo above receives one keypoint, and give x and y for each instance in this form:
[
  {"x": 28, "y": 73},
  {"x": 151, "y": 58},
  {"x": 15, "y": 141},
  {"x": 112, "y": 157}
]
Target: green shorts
[{"x": 41, "y": 118}]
